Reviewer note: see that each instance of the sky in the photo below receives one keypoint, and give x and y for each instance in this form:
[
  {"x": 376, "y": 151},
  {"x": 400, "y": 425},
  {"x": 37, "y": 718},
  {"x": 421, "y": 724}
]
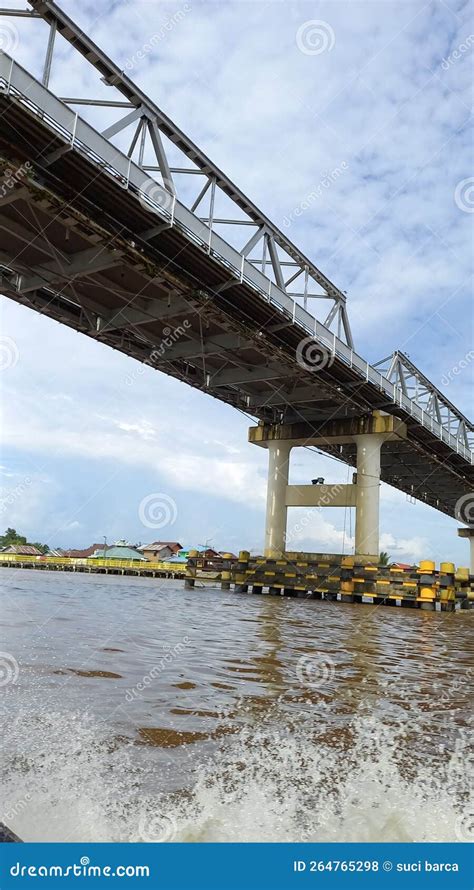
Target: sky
[{"x": 279, "y": 95}]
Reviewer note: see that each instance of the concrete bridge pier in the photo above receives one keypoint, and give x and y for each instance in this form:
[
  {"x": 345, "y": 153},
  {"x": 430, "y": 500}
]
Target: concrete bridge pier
[
  {"x": 469, "y": 533},
  {"x": 369, "y": 447},
  {"x": 278, "y": 470},
  {"x": 368, "y": 433}
]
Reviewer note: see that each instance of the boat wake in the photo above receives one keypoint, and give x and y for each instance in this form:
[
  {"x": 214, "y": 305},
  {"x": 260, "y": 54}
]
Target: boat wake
[{"x": 66, "y": 779}]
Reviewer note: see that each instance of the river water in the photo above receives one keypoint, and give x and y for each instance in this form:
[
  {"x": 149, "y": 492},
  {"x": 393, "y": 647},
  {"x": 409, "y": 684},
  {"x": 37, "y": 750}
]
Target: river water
[{"x": 136, "y": 711}]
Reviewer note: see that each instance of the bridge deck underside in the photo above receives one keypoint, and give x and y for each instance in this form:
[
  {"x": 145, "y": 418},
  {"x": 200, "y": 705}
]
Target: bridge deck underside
[{"x": 91, "y": 256}]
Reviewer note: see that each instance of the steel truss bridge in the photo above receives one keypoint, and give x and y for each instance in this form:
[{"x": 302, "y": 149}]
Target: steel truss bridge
[{"x": 131, "y": 235}]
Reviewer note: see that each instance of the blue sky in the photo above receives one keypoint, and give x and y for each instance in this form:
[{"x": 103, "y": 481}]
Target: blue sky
[{"x": 388, "y": 100}]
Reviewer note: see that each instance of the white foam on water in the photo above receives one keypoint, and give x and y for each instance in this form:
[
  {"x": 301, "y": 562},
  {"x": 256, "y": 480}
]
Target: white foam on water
[{"x": 66, "y": 779}]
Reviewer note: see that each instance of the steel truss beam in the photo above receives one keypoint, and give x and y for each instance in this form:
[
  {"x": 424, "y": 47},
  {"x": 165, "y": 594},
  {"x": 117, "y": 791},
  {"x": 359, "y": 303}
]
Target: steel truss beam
[
  {"x": 238, "y": 376},
  {"x": 398, "y": 369},
  {"x": 81, "y": 265},
  {"x": 215, "y": 345},
  {"x": 399, "y": 386},
  {"x": 157, "y": 310},
  {"x": 154, "y": 126}
]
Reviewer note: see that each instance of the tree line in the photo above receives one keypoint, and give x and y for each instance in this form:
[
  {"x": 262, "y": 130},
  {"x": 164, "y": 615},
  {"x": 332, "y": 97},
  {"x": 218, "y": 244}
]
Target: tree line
[{"x": 11, "y": 536}]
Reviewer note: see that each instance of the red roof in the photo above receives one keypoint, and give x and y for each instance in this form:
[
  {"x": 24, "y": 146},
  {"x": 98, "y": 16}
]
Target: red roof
[{"x": 83, "y": 554}]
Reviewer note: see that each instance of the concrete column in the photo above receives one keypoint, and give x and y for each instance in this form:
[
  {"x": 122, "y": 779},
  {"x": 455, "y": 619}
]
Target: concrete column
[
  {"x": 368, "y": 493},
  {"x": 278, "y": 469},
  {"x": 468, "y": 533}
]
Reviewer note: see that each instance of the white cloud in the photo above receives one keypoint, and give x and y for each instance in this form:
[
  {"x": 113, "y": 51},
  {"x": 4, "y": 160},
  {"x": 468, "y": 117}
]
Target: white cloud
[
  {"x": 71, "y": 526},
  {"x": 410, "y": 550},
  {"x": 277, "y": 120}
]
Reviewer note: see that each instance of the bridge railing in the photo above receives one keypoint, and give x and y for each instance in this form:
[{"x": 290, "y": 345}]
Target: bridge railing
[
  {"x": 270, "y": 246},
  {"x": 16, "y": 82}
]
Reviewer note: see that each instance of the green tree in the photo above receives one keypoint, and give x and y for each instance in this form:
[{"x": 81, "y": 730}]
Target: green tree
[
  {"x": 384, "y": 559},
  {"x": 11, "y": 536},
  {"x": 43, "y": 547}
]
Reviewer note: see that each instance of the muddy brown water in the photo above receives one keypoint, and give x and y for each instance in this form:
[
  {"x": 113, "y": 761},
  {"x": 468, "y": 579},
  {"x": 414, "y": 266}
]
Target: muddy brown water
[{"x": 135, "y": 710}]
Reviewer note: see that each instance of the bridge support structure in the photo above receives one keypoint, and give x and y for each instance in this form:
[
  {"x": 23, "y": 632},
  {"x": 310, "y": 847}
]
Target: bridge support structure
[
  {"x": 368, "y": 433},
  {"x": 469, "y": 533},
  {"x": 277, "y": 484}
]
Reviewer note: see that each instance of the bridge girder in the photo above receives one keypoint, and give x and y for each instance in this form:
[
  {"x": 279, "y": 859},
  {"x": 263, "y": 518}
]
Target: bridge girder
[
  {"x": 121, "y": 266},
  {"x": 154, "y": 129}
]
